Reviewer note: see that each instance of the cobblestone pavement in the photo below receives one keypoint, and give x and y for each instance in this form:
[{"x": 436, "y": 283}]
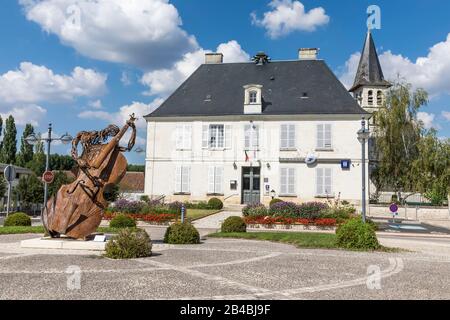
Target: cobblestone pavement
[{"x": 224, "y": 269}]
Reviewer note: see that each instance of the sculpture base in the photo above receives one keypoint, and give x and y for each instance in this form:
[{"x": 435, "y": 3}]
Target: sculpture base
[{"x": 63, "y": 244}]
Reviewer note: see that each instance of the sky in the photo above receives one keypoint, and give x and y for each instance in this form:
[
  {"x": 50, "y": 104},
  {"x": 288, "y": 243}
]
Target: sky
[{"x": 83, "y": 64}]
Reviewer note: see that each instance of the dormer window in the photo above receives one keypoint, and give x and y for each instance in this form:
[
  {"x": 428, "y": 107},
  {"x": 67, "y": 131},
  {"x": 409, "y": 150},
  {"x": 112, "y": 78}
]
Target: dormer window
[{"x": 252, "y": 99}]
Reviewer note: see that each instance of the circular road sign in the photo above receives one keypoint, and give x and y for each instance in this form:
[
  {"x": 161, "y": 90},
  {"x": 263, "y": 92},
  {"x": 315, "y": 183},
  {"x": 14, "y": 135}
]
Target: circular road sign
[
  {"x": 393, "y": 207},
  {"x": 10, "y": 173},
  {"x": 48, "y": 177}
]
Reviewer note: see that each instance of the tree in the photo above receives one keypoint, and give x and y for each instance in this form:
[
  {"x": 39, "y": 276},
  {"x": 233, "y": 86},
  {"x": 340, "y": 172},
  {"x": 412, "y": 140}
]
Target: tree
[
  {"x": 61, "y": 163},
  {"x": 1, "y": 131},
  {"x": 136, "y": 168},
  {"x": 9, "y": 148},
  {"x": 3, "y": 187},
  {"x": 26, "y": 150},
  {"x": 37, "y": 165},
  {"x": 397, "y": 137},
  {"x": 30, "y": 190}
]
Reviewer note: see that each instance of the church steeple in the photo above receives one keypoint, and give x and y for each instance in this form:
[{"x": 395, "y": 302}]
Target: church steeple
[{"x": 369, "y": 86}]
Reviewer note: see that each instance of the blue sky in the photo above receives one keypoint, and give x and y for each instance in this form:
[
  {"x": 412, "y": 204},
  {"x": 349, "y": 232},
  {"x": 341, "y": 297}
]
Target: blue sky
[{"x": 83, "y": 64}]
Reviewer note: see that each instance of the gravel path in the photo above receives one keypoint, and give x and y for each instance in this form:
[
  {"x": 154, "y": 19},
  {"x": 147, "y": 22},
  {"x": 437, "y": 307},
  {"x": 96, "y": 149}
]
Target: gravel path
[{"x": 215, "y": 221}]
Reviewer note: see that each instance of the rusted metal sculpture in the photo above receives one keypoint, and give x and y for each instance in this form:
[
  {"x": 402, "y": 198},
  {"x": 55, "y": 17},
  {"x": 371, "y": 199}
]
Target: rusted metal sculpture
[{"x": 77, "y": 209}]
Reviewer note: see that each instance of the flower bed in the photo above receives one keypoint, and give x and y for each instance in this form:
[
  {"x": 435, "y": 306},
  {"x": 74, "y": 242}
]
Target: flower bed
[
  {"x": 270, "y": 221},
  {"x": 163, "y": 218}
]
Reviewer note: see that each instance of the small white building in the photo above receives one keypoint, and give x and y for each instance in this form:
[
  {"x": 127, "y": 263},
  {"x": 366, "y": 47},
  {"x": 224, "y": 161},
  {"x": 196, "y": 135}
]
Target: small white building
[{"x": 246, "y": 132}]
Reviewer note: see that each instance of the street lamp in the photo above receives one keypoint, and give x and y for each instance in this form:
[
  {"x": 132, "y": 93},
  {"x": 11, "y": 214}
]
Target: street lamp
[
  {"x": 34, "y": 139},
  {"x": 363, "y": 135}
]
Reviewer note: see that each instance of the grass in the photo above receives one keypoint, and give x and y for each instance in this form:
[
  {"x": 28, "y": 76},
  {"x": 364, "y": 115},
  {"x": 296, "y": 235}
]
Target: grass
[
  {"x": 195, "y": 214},
  {"x": 308, "y": 240},
  {"x": 40, "y": 229}
]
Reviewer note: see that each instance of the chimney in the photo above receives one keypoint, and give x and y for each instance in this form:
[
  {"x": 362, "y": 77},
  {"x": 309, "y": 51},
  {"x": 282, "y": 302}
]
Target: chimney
[
  {"x": 308, "y": 53},
  {"x": 213, "y": 58}
]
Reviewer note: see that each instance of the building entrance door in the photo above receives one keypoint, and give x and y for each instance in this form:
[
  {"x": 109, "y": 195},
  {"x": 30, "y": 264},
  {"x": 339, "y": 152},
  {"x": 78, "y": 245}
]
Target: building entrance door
[{"x": 251, "y": 185}]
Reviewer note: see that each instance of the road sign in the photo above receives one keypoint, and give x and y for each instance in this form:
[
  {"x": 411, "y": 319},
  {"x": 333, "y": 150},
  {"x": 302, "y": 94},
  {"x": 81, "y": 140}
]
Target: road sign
[
  {"x": 48, "y": 177},
  {"x": 10, "y": 173},
  {"x": 394, "y": 208}
]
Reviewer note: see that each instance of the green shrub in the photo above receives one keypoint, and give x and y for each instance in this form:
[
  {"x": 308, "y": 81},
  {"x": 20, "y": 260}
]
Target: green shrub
[
  {"x": 122, "y": 221},
  {"x": 273, "y": 201},
  {"x": 182, "y": 233},
  {"x": 215, "y": 204},
  {"x": 354, "y": 234},
  {"x": 234, "y": 224},
  {"x": 17, "y": 220},
  {"x": 129, "y": 244}
]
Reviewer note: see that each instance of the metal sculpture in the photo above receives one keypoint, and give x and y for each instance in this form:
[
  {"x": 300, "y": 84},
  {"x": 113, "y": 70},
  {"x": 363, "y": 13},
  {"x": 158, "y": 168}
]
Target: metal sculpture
[{"x": 77, "y": 209}]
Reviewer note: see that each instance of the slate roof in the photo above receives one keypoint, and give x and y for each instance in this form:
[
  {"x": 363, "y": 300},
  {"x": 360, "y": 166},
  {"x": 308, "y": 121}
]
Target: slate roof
[
  {"x": 369, "y": 69},
  {"x": 289, "y": 88}
]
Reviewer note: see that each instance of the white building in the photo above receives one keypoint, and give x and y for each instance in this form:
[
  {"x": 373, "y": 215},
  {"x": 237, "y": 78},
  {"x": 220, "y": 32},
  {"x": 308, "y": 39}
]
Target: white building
[{"x": 245, "y": 132}]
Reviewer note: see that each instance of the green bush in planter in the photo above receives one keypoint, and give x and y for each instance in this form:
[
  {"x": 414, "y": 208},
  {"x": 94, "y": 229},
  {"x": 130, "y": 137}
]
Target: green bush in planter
[
  {"x": 354, "y": 234},
  {"x": 182, "y": 233},
  {"x": 17, "y": 220},
  {"x": 215, "y": 204},
  {"x": 122, "y": 221},
  {"x": 273, "y": 201},
  {"x": 234, "y": 224},
  {"x": 129, "y": 244}
]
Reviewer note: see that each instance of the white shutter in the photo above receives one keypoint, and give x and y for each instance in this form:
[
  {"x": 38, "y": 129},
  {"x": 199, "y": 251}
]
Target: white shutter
[
  {"x": 320, "y": 136},
  {"x": 319, "y": 181},
  {"x": 227, "y": 137},
  {"x": 291, "y": 181},
  {"x": 178, "y": 186},
  {"x": 291, "y": 136},
  {"x": 327, "y": 136},
  {"x": 284, "y": 136},
  {"x": 187, "y": 137},
  {"x": 247, "y": 137},
  {"x": 283, "y": 181},
  {"x": 255, "y": 138},
  {"x": 205, "y": 136},
  {"x": 218, "y": 180},
  {"x": 185, "y": 176},
  {"x": 328, "y": 182},
  {"x": 179, "y": 137},
  {"x": 211, "y": 180}
]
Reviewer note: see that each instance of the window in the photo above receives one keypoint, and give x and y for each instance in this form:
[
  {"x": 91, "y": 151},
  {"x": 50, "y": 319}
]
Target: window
[
  {"x": 287, "y": 181},
  {"x": 182, "y": 179},
  {"x": 216, "y": 136},
  {"x": 287, "y": 135},
  {"x": 379, "y": 98},
  {"x": 215, "y": 180},
  {"x": 253, "y": 97},
  {"x": 251, "y": 137},
  {"x": 184, "y": 137},
  {"x": 324, "y": 136},
  {"x": 324, "y": 182},
  {"x": 370, "y": 98}
]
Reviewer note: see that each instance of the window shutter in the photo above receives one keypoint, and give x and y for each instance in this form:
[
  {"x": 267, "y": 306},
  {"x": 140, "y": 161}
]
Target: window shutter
[
  {"x": 185, "y": 176},
  {"x": 218, "y": 180},
  {"x": 211, "y": 180},
  {"x": 205, "y": 136},
  {"x": 327, "y": 138},
  {"x": 179, "y": 137},
  {"x": 283, "y": 181},
  {"x": 187, "y": 137},
  {"x": 283, "y": 136},
  {"x": 320, "y": 136},
  {"x": 291, "y": 136},
  {"x": 291, "y": 181},
  {"x": 247, "y": 137},
  {"x": 255, "y": 138},
  {"x": 178, "y": 179},
  {"x": 328, "y": 181},
  {"x": 227, "y": 137},
  {"x": 319, "y": 181}
]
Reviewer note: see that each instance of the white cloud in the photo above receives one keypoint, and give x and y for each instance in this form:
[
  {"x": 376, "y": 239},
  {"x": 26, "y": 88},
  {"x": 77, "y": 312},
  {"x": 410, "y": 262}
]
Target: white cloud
[
  {"x": 446, "y": 115},
  {"x": 25, "y": 114},
  {"x": 97, "y": 104},
  {"x": 164, "y": 81},
  {"x": 427, "y": 120},
  {"x": 431, "y": 72},
  {"x": 33, "y": 84},
  {"x": 146, "y": 33},
  {"x": 288, "y": 16},
  {"x": 126, "y": 79}
]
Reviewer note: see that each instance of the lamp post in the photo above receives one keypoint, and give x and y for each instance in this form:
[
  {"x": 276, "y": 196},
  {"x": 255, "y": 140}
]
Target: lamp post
[
  {"x": 34, "y": 139},
  {"x": 363, "y": 135}
]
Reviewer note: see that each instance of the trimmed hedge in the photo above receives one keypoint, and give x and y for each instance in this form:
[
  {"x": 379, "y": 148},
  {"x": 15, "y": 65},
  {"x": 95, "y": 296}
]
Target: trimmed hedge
[
  {"x": 273, "y": 201},
  {"x": 234, "y": 224},
  {"x": 122, "y": 221},
  {"x": 354, "y": 234},
  {"x": 17, "y": 220},
  {"x": 182, "y": 233},
  {"x": 215, "y": 204},
  {"x": 129, "y": 244}
]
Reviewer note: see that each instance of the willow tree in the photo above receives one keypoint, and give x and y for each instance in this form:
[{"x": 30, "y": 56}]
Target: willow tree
[{"x": 397, "y": 137}]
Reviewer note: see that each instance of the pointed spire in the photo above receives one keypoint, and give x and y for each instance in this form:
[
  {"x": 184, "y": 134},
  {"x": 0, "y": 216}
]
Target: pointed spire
[{"x": 369, "y": 68}]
